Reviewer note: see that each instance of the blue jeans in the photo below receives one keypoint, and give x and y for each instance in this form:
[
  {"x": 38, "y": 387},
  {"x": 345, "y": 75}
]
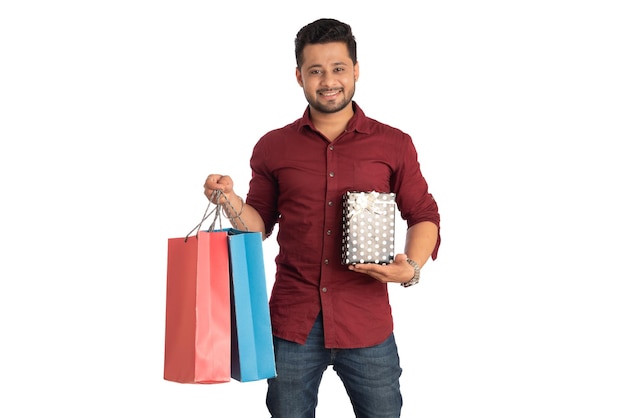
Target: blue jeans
[{"x": 370, "y": 375}]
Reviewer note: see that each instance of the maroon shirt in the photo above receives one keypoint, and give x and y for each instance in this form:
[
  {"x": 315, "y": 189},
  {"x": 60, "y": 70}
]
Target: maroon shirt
[{"x": 298, "y": 179}]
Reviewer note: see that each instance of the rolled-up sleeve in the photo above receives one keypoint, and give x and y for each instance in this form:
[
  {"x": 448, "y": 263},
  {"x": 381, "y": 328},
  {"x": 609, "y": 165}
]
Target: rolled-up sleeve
[
  {"x": 263, "y": 191},
  {"x": 415, "y": 203}
]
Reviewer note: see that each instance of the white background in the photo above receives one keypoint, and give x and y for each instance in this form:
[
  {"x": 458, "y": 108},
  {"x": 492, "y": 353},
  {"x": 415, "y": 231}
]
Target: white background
[{"x": 113, "y": 113}]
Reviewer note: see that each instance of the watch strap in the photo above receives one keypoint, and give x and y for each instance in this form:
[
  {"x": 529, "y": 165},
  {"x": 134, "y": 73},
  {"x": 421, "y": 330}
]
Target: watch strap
[{"x": 416, "y": 275}]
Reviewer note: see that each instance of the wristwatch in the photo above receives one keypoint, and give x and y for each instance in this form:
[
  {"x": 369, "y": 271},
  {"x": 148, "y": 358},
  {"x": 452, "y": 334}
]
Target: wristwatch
[{"x": 416, "y": 275}]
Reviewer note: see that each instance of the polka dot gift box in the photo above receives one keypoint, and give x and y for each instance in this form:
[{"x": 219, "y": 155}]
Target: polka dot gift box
[{"x": 368, "y": 227}]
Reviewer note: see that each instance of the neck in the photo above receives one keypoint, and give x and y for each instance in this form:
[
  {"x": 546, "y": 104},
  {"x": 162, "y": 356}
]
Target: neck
[{"x": 332, "y": 124}]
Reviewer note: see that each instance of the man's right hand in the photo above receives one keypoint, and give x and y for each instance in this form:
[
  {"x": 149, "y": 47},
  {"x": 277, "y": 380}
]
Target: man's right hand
[{"x": 219, "y": 182}]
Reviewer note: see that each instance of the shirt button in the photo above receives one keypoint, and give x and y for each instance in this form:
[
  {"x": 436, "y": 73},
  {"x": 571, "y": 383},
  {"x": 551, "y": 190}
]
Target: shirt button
[
  {"x": 332, "y": 174},
  {"x": 329, "y": 232},
  {"x": 324, "y": 290},
  {"x": 326, "y": 261},
  {"x": 330, "y": 203},
  {"x": 332, "y": 148}
]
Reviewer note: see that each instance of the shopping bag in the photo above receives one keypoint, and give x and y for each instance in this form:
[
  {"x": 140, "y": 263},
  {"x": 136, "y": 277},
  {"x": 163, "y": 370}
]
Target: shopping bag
[
  {"x": 252, "y": 345},
  {"x": 198, "y": 323}
]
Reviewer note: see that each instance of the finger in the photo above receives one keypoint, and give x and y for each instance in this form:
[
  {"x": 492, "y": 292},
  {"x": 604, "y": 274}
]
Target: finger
[
  {"x": 213, "y": 181},
  {"x": 400, "y": 258},
  {"x": 211, "y": 186},
  {"x": 224, "y": 180}
]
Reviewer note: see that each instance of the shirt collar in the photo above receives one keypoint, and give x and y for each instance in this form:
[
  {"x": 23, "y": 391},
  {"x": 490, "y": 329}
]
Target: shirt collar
[{"x": 359, "y": 122}]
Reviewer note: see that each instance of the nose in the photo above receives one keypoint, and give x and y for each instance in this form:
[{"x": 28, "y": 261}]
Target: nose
[{"x": 328, "y": 78}]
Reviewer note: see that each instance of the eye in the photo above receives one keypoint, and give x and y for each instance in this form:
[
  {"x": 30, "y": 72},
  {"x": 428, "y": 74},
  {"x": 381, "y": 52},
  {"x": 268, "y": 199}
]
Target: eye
[{"x": 339, "y": 69}]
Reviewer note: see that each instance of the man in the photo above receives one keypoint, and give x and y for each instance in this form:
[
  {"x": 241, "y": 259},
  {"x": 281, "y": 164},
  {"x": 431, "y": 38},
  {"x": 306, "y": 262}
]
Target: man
[{"x": 324, "y": 312}]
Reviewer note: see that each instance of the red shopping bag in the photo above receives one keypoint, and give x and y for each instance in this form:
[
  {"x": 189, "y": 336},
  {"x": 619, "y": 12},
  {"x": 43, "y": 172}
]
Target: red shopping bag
[{"x": 198, "y": 322}]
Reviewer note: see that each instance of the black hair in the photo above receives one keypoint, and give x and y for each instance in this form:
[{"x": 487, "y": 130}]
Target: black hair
[{"x": 324, "y": 31}]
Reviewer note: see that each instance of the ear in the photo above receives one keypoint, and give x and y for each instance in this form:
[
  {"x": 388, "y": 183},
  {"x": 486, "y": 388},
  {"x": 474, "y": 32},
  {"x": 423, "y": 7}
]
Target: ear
[
  {"x": 356, "y": 71},
  {"x": 299, "y": 76}
]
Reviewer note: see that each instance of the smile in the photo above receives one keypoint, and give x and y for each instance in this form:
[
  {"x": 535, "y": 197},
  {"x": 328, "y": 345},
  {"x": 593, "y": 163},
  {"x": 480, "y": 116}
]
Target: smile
[{"x": 329, "y": 93}]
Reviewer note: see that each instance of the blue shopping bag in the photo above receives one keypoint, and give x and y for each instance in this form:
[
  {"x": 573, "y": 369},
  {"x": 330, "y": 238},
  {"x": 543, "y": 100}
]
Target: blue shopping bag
[{"x": 252, "y": 346}]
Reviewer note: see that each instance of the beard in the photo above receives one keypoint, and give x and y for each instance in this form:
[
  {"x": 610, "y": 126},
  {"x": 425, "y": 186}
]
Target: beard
[{"x": 331, "y": 106}]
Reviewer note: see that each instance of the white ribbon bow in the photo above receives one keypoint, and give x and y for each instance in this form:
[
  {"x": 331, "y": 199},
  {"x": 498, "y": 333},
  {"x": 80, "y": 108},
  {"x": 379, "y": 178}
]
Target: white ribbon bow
[{"x": 364, "y": 201}]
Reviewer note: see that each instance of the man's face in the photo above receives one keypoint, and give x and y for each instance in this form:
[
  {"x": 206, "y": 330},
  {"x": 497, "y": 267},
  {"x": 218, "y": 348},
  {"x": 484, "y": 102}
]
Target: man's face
[{"x": 327, "y": 76}]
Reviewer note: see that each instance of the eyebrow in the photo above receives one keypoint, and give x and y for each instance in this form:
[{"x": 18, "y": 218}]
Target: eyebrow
[{"x": 334, "y": 64}]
